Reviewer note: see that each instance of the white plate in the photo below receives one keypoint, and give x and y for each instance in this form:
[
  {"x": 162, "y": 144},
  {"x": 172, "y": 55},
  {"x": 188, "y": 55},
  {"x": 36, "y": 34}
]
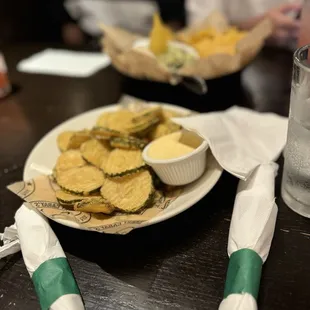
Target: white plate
[{"x": 46, "y": 152}]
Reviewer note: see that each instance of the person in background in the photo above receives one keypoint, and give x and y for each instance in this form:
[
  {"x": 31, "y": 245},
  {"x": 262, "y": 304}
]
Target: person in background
[
  {"x": 133, "y": 15},
  {"x": 247, "y": 13}
]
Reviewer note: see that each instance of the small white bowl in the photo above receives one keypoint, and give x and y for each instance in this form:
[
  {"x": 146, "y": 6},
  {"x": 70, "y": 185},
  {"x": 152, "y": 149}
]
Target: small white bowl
[{"x": 181, "y": 170}]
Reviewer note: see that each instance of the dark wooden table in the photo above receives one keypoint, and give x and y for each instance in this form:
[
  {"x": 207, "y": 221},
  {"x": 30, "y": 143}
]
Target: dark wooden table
[{"x": 178, "y": 264}]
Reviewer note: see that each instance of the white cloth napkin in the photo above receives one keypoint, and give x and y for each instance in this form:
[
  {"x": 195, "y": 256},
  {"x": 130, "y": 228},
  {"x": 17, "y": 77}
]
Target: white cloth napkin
[
  {"x": 10, "y": 241},
  {"x": 245, "y": 143},
  {"x": 64, "y": 63},
  {"x": 39, "y": 244},
  {"x": 252, "y": 225},
  {"x": 240, "y": 139}
]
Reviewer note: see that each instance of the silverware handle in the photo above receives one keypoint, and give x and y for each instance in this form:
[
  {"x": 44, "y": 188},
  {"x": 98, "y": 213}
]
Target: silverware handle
[{"x": 195, "y": 84}]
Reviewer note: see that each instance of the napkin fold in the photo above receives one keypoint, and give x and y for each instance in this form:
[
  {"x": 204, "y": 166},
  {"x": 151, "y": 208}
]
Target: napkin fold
[
  {"x": 64, "y": 63},
  {"x": 240, "y": 139},
  {"x": 45, "y": 260},
  {"x": 250, "y": 236}
]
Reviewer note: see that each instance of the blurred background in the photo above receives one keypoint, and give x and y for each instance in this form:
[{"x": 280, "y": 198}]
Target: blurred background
[
  {"x": 32, "y": 20},
  {"x": 49, "y": 21}
]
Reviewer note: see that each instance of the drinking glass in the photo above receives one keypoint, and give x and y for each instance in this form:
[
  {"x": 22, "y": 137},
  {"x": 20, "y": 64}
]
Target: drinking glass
[{"x": 296, "y": 174}]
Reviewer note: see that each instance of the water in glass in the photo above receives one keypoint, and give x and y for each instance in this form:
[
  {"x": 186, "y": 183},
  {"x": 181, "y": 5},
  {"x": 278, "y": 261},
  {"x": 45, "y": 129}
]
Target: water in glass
[{"x": 296, "y": 174}]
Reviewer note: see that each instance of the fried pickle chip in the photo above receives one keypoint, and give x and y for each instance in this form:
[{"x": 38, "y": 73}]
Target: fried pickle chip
[
  {"x": 123, "y": 162},
  {"x": 82, "y": 181},
  {"x": 143, "y": 128},
  {"x": 78, "y": 138},
  {"x": 164, "y": 129},
  {"x": 103, "y": 133},
  {"x": 147, "y": 115},
  {"x": 94, "y": 205},
  {"x": 115, "y": 121},
  {"x": 95, "y": 152},
  {"x": 128, "y": 143},
  {"x": 129, "y": 194},
  {"x": 68, "y": 160},
  {"x": 63, "y": 140},
  {"x": 68, "y": 198},
  {"x": 103, "y": 119}
]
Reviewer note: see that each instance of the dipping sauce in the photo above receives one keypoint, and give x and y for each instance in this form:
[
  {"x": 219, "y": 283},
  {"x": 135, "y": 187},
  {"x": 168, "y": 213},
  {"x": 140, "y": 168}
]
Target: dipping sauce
[
  {"x": 175, "y": 57},
  {"x": 174, "y": 145}
]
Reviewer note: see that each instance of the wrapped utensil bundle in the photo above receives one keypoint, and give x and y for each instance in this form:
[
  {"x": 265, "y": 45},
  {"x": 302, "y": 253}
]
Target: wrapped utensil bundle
[
  {"x": 44, "y": 258},
  {"x": 250, "y": 236},
  {"x": 246, "y": 144}
]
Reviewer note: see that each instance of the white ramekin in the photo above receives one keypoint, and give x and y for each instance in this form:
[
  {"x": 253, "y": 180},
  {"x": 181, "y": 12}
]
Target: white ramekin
[{"x": 182, "y": 170}]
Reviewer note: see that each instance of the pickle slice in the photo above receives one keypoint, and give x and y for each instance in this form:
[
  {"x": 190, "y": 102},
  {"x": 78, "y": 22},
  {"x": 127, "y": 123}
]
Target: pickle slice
[
  {"x": 129, "y": 194},
  {"x": 123, "y": 162},
  {"x": 83, "y": 180},
  {"x": 95, "y": 152},
  {"x": 94, "y": 205}
]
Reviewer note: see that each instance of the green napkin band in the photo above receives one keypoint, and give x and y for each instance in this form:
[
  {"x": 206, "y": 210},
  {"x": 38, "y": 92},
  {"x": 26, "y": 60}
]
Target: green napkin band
[
  {"x": 53, "y": 279},
  {"x": 244, "y": 272}
]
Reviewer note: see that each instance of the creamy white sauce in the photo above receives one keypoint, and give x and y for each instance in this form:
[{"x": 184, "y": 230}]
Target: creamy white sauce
[{"x": 174, "y": 145}]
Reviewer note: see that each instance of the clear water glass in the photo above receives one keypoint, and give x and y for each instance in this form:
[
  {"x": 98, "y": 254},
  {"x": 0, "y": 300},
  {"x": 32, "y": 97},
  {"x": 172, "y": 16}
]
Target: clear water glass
[{"x": 296, "y": 174}]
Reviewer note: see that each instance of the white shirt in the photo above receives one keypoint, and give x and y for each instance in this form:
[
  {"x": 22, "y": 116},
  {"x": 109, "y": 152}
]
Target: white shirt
[
  {"x": 235, "y": 10},
  {"x": 135, "y": 16}
]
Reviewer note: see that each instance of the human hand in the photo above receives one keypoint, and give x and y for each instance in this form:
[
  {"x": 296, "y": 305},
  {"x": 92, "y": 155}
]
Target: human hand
[{"x": 285, "y": 26}]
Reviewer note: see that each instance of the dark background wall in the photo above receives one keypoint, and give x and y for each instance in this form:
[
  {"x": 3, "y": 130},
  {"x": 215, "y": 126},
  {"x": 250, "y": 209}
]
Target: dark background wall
[{"x": 31, "y": 20}]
